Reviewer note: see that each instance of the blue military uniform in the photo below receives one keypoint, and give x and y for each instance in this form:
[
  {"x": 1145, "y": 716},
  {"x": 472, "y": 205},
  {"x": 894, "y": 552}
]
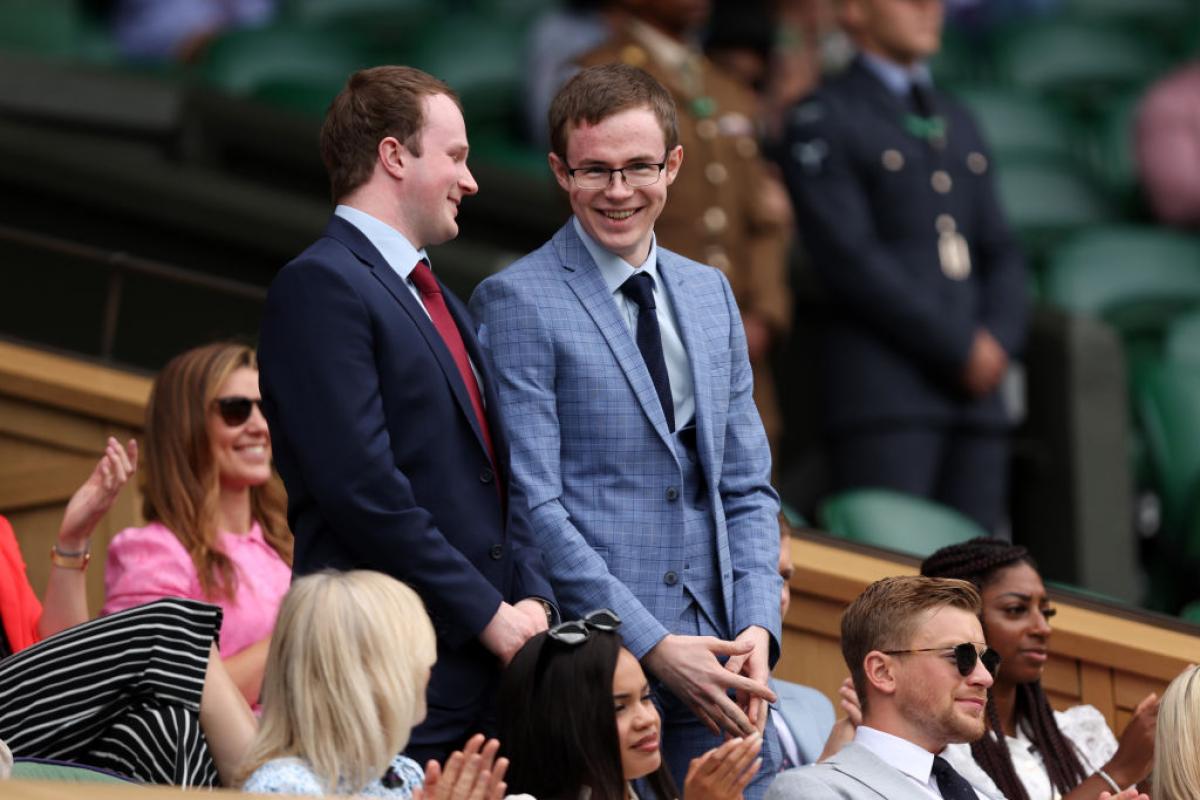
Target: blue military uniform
[{"x": 896, "y": 207}]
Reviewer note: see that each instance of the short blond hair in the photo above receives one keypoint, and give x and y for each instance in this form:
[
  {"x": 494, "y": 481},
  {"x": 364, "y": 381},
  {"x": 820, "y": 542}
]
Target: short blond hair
[
  {"x": 1177, "y": 739},
  {"x": 884, "y": 617},
  {"x": 345, "y": 677}
]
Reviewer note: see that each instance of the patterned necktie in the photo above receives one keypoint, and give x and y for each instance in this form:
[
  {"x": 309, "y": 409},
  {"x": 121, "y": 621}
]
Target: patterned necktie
[
  {"x": 952, "y": 785},
  {"x": 435, "y": 304},
  {"x": 640, "y": 289}
]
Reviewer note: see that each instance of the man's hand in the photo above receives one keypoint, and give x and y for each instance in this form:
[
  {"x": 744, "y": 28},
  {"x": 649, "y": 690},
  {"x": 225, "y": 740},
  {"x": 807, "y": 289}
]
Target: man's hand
[
  {"x": 536, "y": 612},
  {"x": 986, "y": 364},
  {"x": 688, "y": 666},
  {"x": 754, "y": 665},
  {"x": 509, "y": 629},
  {"x": 473, "y": 773}
]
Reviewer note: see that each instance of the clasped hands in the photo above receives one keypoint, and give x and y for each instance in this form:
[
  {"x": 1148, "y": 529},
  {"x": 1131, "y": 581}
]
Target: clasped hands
[{"x": 690, "y": 669}]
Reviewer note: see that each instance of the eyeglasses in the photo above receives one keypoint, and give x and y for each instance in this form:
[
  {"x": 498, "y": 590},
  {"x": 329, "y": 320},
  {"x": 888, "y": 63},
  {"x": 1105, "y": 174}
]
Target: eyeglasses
[
  {"x": 578, "y": 631},
  {"x": 965, "y": 657},
  {"x": 235, "y": 410},
  {"x": 637, "y": 175}
]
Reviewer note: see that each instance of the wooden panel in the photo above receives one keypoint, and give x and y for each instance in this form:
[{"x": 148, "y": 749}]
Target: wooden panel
[
  {"x": 1096, "y": 682},
  {"x": 1061, "y": 677},
  {"x": 68, "y": 384}
]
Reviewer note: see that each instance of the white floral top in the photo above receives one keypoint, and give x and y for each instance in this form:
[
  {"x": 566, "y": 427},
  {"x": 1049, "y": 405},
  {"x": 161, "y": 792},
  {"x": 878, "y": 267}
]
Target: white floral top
[
  {"x": 294, "y": 776},
  {"x": 1083, "y": 726}
]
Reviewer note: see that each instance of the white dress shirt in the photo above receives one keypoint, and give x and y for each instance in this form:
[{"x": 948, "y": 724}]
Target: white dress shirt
[
  {"x": 902, "y": 755},
  {"x": 615, "y": 271}
]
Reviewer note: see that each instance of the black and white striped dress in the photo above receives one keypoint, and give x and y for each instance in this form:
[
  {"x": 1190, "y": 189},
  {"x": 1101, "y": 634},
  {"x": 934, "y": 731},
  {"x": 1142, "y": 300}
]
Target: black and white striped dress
[{"x": 121, "y": 692}]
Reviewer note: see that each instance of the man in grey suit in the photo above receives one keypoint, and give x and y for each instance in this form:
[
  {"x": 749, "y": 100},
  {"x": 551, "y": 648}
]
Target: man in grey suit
[
  {"x": 624, "y": 375},
  {"x": 916, "y": 653}
]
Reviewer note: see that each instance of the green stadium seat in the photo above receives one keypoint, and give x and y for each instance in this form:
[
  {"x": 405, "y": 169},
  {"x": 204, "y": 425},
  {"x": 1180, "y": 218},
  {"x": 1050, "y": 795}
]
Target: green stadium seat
[
  {"x": 1167, "y": 21},
  {"x": 1134, "y": 278},
  {"x": 894, "y": 520},
  {"x": 961, "y": 61},
  {"x": 39, "y": 769},
  {"x": 1020, "y": 124},
  {"x": 1112, "y": 152},
  {"x": 1084, "y": 65},
  {"x": 390, "y": 23},
  {"x": 1191, "y": 612},
  {"x": 489, "y": 81},
  {"x": 1182, "y": 342},
  {"x": 1167, "y": 401},
  {"x": 1047, "y": 199},
  {"x": 53, "y": 28},
  {"x": 252, "y": 60}
]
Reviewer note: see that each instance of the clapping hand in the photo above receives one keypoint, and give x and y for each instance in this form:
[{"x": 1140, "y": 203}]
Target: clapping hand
[
  {"x": 724, "y": 772},
  {"x": 473, "y": 773}
]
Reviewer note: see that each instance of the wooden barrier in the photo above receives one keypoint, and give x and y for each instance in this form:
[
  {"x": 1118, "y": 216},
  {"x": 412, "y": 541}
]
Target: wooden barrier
[
  {"x": 1107, "y": 657},
  {"x": 55, "y": 415}
]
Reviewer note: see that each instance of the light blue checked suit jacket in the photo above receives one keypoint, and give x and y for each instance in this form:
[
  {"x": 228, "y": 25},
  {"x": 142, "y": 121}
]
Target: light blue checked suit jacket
[{"x": 591, "y": 447}]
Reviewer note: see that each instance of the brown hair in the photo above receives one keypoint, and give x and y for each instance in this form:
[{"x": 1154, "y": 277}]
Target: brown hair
[
  {"x": 375, "y": 103},
  {"x": 597, "y": 93},
  {"x": 180, "y": 483},
  {"x": 980, "y": 561},
  {"x": 884, "y": 617}
]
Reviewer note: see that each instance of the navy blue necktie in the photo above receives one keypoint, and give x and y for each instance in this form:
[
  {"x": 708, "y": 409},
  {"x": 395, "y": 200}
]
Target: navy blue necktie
[
  {"x": 640, "y": 289},
  {"x": 952, "y": 785}
]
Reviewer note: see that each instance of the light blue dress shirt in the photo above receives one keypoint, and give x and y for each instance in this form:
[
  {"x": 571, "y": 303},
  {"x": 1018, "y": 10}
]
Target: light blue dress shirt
[
  {"x": 896, "y": 78},
  {"x": 615, "y": 271}
]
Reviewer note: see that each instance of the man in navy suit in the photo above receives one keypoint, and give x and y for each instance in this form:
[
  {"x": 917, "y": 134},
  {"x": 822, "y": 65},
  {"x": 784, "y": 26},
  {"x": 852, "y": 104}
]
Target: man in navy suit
[{"x": 380, "y": 405}]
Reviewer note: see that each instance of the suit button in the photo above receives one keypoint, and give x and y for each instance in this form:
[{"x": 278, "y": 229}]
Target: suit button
[
  {"x": 497, "y": 552},
  {"x": 672, "y": 494},
  {"x": 670, "y": 579},
  {"x": 486, "y": 475}
]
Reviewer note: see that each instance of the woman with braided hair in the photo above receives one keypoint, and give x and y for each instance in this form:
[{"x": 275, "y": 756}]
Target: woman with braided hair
[{"x": 1030, "y": 751}]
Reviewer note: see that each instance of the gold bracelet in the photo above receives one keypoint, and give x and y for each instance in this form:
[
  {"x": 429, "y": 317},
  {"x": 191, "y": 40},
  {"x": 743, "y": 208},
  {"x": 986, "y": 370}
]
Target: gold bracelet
[{"x": 67, "y": 560}]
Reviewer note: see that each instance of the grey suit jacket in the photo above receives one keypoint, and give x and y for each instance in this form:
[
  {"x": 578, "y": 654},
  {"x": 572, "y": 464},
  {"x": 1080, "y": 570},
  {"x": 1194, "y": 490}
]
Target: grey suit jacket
[{"x": 855, "y": 773}]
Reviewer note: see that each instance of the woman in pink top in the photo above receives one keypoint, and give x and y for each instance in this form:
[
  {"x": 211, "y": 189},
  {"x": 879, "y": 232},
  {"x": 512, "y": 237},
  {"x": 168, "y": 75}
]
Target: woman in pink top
[{"x": 216, "y": 509}]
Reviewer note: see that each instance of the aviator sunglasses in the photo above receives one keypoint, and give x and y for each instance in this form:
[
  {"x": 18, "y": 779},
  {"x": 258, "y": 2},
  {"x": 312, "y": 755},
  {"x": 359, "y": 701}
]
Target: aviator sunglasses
[
  {"x": 965, "y": 657},
  {"x": 577, "y": 631},
  {"x": 235, "y": 410}
]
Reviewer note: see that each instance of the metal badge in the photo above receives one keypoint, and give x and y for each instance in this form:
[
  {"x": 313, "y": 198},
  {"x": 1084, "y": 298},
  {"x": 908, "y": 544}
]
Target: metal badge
[
  {"x": 941, "y": 182},
  {"x": 977, "y": 162},
  {"x": 953, "y": 253}
]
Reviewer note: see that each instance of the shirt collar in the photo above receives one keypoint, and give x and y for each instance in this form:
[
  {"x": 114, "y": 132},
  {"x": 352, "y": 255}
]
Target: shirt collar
[
  {"x": 911, "y": 759},
  {"x": 614, "y": 269},
  {"x": 896, "y": 78},
  {"x": 396, "y": 250}
]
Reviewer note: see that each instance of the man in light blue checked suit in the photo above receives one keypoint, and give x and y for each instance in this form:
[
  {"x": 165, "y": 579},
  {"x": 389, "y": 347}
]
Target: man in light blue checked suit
[{"x": 625, "y": 381}]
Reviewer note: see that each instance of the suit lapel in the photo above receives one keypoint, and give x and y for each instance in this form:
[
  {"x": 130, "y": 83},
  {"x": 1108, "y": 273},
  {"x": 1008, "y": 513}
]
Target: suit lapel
[
  {"x": 588, "y": 285},
  {"x": 857, "y": 762},
  {"x": 366, "y": 252},
  {"x": 691, "y": 332}
]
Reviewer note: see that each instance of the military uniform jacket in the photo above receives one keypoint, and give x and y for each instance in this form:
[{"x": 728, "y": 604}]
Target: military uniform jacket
[{"x": 873, "y": 201}]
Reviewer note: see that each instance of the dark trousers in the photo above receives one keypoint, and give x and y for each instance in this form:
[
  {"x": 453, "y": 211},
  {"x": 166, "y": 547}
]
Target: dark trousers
[{"x": 964, "y": 468}]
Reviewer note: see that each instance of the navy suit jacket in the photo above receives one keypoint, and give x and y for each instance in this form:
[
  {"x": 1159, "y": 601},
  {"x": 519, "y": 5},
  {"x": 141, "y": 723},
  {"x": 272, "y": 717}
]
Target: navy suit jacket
[{"x": 385, "y": 467}]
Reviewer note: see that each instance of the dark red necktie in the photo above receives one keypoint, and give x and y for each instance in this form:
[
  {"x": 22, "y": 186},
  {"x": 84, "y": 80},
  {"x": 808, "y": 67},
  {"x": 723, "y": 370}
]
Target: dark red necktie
[{"x": 435, "y": 304}]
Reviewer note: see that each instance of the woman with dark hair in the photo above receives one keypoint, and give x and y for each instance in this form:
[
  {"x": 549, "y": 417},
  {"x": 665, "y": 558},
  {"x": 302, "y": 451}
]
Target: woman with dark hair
[
  {"x": 216, "y": 509},
  {"x": 1031, "y": 751},
  {"x": 578, "y": 723}
]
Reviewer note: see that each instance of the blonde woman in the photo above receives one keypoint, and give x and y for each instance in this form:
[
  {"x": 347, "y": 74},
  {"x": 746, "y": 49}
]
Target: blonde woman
[
  {"x": 345, "y": 685},
  {"x": 1177, "y": 740},
  {"x": 216, "y": 509}
]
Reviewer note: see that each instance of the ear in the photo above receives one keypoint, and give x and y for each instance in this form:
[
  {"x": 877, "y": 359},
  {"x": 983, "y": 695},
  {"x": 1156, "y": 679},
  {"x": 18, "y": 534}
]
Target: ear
[
  {"x": 392, "y": 155},
  {"x": 559, "y": 168},
  {"x": 880, "y": 672},
  {"x": 674, "y": 162}
]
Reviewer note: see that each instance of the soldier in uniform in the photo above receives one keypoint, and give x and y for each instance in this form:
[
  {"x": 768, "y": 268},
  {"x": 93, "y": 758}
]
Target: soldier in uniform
[
  {"x": 895, "y": 203},
  {"x": 726, "y": 210}
]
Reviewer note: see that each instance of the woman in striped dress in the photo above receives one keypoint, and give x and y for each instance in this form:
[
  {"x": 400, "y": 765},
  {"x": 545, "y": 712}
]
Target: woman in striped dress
[{"x": 131, "y": 692}]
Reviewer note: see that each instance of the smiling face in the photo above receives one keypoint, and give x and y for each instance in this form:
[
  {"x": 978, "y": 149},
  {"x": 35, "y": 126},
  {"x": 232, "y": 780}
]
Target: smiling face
[
  {"x": 620, "y": 218},
  {"x": 637, "y": 719},
  {"x": 1016, "y": 620},
  {"x": 241, "y": 453},
  {"x": 435, "y": 182},
  {"x": 936, "y": 703}
]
